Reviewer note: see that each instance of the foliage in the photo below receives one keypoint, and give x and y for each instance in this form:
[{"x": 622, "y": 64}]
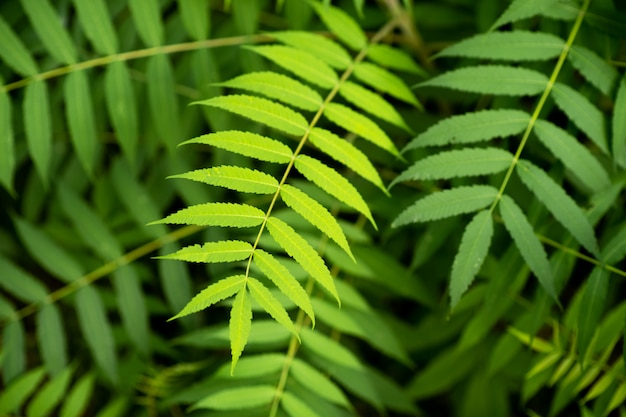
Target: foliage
[{"x": 352, "y": 227}]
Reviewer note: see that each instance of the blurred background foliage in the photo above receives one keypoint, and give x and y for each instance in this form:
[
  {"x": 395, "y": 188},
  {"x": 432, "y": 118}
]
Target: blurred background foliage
[{"x": 95, "y": 99}]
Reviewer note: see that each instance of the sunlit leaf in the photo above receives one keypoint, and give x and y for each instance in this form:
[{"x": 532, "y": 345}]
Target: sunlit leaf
[
  {"x": 325, "y": 49},
  {"x": 342, "y": 25},
  {"x": 383, "y": 80},
  {"x": 235, "y": 178},
  {"x": 50, "y": 395},
  {"x": 239, "y": 326},
  {"x": 270, "y": 304},
  {"x": 212, "y": 294},
  {"x": 217, "y": 214}
]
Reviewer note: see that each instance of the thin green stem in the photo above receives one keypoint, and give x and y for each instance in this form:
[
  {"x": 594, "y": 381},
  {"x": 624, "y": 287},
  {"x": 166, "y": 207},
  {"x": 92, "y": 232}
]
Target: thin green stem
[
  {"x": 106, "y": 269},
  {"x": 542, "y": 101},
  {"x": 140, "y": 53}
]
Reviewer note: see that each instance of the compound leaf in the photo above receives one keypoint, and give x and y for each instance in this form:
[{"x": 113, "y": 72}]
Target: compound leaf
[
  {"x": 383, "y": 80},
  {"x": 325, "y": 49},
  {"x": 264, "y": 297},
  {"x": 591, "y": 307},
  {"x": 342, "y": 25},
  {"x": 239, "y": 398},
  {"x": 239, "y": 326}
]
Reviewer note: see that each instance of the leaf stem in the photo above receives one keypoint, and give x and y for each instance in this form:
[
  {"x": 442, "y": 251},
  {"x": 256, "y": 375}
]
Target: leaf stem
[{"x": 542, "y": 101}]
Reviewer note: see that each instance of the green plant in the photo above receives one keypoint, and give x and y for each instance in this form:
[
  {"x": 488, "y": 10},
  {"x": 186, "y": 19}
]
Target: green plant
[{"x": 323, "y": 291}]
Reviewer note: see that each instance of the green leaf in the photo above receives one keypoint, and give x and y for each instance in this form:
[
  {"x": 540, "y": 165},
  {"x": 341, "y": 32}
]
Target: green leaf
[
  {"x": 79, "y": 397},
  {"x": 295, "y": 407},
  {"x": 147, "y": 19},
  {"x": 619, "y": 125},
  {"x": 51, "y": 339},
  {"x": 316, "y": 214},
  {"x": 522, "y": 9},
  {"x": 45, "y": 21},
  {"x": 7, "y": 142},
  {"x": 303, "y": 64},
  {"x": 518, "y": 45},
  {"x": 79, "y": 112},
  {"x": 284, "y": 280},
  {"x": 594, "y": 68},
  {"x": 131, "y": 303},
  {"x": 316, "y": 382},
  {"x": 239, "y": 398},
  {"x": 50, "y": 395},
  {"x": 97, "y": 331},
  {"x": 323, "y": 48},
  {"x": 355, "y": 122},
  {"x": 372, "y": 103},
  {"x": 394, "y": 58},
  {"x": 471, "y": 255},
  {"x": 195, "y": 17},
  {"x": 163, "y": 100},
  {"x": 333, "y": 183},
  {"x": 448, "y": 203},
  {"x": 300, "y": 250},
  {"x": 13, "y": 351},
  {"x": 212, "y": 294},
  {"x": 472, "y": 127},
  {"x": 575, "y": 156},
  {"x": 261, "y": 110},
  {"x": 38, "y": 127},
  {"x": 13, "y": 396},
  {"x": 561, "y": 205},
  {"x": 329, "y": 349},
  {"x": 217, "y": 214},
  {"x": 239, "y": 326},
  {"x": 528, "y": 244},
  {"x": 458, "y": 163},
  {"x": 582, "y": 113},
  {"x": 13, "y": 52},
  {"x": 279, "y": 87},
  {"x": 591, "y": 307},
  {"x": 94, "y": 18},
  {"x": 248, "y": 144},
  {"x": 491, "y": 79},
  {"x": 254, "y": 366},
  {"x": 122, "y": 106},
  {"x": 211, "y": 252},
  {"x": 382, "y": 80},
  {"x": 19, "y": 283},
  {"x": 342, "y": 25},
  {"x": 235, "y": 178},
  {"x": 346, "y": 153},
  {"x": 264, "y": 297},
  {"x": 48, "y": 253}
]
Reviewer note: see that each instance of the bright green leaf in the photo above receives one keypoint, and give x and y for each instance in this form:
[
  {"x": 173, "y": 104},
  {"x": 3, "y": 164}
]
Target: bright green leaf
[
  {"x": 346, "y": 153},
  {"x": 329, "y": 349},
  {"x": 383, "y": 80},
  {"x": 448, "y": 203},
  {"x": 342, "y": 25},
  {"x": 211, "y": 252},
  {"x": 303, "y": 64},
  {"x": 212, "y": 294},
  {"x": 284, "y": 280},
  {"x": 50, "y": 395},
  {"x": 248, "y": 144},
  {"x": 261, "y": 110},
  {"x": 394, "y": 58},
  {"x": 333, "y": 183},
  {"x": 239, "y": 326},
  {"x": 300, "y": 250},
  {"x": 270, "y": 304},
  {"x": 235, "y": 178},
  {"x": 295, "y": 407},
  {"x": 217, "y": 214},
  {"x": 79, "y": 397},
  {"x": 325, "y": 49},
  {"x": 239, "y": 398},
  {"x": 471, "y": 255},
  {"x": 317, "y": 382},
  {"x": 13, "y": 396},
  {"x": 279, "y": 87}
]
